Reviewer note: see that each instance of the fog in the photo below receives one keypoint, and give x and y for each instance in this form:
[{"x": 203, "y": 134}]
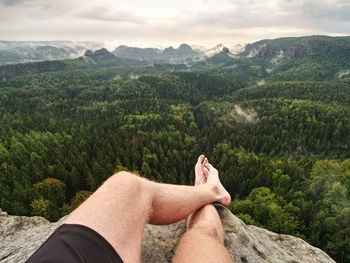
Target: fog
[
  {"x": 342, "y": 73},
  {"x": 247, "y": 116}
]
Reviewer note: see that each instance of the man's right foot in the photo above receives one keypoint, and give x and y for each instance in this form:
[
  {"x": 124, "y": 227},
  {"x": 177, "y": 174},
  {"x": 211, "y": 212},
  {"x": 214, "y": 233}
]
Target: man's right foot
[
  {"x": 201, "y": 177},
  {"x": 213, "y": 179}
]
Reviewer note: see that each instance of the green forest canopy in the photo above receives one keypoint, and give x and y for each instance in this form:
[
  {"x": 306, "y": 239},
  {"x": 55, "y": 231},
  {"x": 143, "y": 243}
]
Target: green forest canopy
[{"x": 282, "y": 148}]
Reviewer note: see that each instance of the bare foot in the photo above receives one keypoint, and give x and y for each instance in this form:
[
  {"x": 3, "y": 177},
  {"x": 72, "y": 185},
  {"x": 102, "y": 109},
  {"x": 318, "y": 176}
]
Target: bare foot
[
  {"x": 213, "y": 180},
  {"x": 201, "y": 176}
]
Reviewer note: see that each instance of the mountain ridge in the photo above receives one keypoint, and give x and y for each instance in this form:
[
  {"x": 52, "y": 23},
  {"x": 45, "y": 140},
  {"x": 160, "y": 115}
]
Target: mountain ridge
[
  {"x": 282, "y": 59},
  {"x": 168, "y": 55}
]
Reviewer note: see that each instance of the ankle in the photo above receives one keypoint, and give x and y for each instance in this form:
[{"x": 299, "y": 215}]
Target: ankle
[
  {"x": 219, "y": 192},
  {"x": 214, "y": 190}
]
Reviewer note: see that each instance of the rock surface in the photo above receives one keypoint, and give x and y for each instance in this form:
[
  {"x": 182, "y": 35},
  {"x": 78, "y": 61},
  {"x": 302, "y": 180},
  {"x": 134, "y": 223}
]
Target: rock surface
[{"x": 21, "y": 236}]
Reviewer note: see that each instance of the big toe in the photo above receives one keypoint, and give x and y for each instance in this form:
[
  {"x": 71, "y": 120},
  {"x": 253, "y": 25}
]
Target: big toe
[{"x": 200, "y": 159}]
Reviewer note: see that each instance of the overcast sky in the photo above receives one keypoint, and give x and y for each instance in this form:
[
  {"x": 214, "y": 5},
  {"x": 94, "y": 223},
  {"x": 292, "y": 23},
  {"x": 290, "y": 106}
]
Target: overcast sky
[{"x": 164, "y": 22}]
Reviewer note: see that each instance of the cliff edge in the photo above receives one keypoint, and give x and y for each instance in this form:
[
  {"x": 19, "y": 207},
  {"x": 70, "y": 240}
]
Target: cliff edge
[{"x": 20, "y": 236}]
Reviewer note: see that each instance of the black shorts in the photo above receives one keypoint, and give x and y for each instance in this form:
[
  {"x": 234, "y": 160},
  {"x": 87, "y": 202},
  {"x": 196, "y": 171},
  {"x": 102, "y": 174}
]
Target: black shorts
[{"x": 75, "y": 243}]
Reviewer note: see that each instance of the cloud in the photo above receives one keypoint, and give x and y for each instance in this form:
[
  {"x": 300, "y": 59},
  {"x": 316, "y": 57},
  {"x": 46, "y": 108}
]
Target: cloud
[
  {"x": 240, "y": 115},
  {"x": 102, "y": 13},
  {"x": 258, "y": 19},
  {"x": 330, "y": 9},
  {"x": 27, "y": 10},
  {"x": 160, "y": 21},
  {"x": 11, "y": 2},
  {"x": 342, "y": 73},
  {"x": 282, "y": 13}
]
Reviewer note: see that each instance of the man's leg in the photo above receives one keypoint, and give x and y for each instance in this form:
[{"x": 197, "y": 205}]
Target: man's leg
[
  {"x": 122, "y": 206},
  {"x": 204, "y": 239}
]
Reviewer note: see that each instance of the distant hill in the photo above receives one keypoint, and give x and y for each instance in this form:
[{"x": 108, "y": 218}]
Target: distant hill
[
  {"x": 169, "y": 55},
  {"x": 12, "y": 52},
  {"x": 300, "y": 47},
  {"x": 90, "y": 60},
  {"x": 289, "y": 59},
  {"x": 315, "y": 58},
  {"x": 104, "y": 57}
]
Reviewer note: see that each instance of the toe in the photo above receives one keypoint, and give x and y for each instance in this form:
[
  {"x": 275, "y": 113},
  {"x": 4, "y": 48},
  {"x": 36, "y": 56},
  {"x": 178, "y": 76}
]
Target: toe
[{"x": 200, "y": 159}]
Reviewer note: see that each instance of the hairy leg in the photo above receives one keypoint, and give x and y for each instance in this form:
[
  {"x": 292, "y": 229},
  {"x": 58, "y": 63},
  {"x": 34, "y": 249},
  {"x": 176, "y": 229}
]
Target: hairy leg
[
  {"x": 122, "y": 206},
  {"x": 204, "y": 239}
]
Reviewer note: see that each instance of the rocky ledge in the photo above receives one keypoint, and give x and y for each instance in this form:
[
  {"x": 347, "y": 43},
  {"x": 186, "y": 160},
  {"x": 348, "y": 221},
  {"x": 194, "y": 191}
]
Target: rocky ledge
[{"x": 20, "y": 236}]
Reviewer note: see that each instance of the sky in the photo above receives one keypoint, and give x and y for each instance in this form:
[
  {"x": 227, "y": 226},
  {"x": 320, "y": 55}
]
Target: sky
[{"x": 163, "y": 23}]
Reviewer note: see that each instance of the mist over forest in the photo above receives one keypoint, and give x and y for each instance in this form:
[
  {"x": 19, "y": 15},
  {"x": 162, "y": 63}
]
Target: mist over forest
[
  {"x": 272, "y": 116},
  {"x": 12, "y": 52}
]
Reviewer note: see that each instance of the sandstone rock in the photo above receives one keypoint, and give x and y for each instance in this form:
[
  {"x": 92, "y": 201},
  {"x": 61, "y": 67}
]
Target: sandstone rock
[
  {"x": 21, "y": 236},
  {"x": 225, "y": 50},
  {"x": 88, "y": 53}
]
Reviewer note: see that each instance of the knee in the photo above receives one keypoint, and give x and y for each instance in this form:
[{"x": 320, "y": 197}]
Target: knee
[
  {"x": 130, "y": 185},
  {"x": 207, "y": 229},
  {"x": 125, "y": 182},
  {"x": 123, "y": 176}
]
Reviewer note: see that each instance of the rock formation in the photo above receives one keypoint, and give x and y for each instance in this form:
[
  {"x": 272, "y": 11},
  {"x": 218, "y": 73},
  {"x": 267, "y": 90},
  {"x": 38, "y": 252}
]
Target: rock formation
[
  {"x": 20, "y": 236},
  {"x": 168, "y": 55}
]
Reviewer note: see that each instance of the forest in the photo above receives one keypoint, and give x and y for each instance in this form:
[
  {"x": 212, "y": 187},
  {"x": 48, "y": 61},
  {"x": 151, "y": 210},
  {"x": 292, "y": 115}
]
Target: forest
[{"x": 281, "y": 145}]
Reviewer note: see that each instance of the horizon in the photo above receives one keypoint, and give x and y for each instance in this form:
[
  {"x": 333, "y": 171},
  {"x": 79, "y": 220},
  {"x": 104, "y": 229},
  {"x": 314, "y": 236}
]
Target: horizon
[{"x": 111, "y": 45}]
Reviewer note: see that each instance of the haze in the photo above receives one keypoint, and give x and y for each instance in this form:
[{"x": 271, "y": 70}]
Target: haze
[{"x": 163, "y": 23}]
